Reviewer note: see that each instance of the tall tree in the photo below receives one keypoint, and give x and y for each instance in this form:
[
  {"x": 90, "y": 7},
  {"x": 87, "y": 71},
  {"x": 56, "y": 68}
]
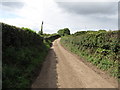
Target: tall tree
[{"x": 63, "y": 32}]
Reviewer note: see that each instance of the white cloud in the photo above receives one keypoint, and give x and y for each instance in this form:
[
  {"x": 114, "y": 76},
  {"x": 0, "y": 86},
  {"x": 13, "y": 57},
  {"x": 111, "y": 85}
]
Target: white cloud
[
  {"x": 29, "y": 16},
  {"x": 55, "y": 18}
]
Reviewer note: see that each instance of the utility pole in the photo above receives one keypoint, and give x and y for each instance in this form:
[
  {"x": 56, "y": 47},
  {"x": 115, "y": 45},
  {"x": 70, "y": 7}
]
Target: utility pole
[{"x": 42, "y": 28}]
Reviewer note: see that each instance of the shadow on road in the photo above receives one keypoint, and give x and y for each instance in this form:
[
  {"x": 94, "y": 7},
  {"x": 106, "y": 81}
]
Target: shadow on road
[{"x": 47, "y": 78}]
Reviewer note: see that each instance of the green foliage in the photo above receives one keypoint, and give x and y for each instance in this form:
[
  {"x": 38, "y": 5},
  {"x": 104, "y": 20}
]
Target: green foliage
[
  {"x": 45, "y": 35},
  {"x": 64, "y": 32},
  {"x": 88, "y": 32},
  {"x": 52, "y": 38},
  {"x": 102, "y": 31},
  {"x": 101, "y": 48},
  {"x": 40, "y": 33},
  {"x": 23, "y": 51},
  {"x": 80, "y": 33},
  {"x": 27, "y": 29},
  {"x": 61, "y": 32}
]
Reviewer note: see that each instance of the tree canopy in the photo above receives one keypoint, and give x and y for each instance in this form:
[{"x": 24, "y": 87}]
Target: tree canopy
[{"x": 64, "y": 32}]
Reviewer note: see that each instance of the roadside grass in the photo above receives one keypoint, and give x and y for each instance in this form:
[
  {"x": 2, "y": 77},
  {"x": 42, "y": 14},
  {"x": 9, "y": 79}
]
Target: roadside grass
[
  {"x": 104, "y": 59},
  {"x": 23, "y": 52},
  {"x": 22, "y": 64}
]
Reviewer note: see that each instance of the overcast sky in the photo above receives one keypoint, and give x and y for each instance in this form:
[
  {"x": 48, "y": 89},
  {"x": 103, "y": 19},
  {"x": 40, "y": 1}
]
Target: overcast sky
[{"x": 56, "y": 14}]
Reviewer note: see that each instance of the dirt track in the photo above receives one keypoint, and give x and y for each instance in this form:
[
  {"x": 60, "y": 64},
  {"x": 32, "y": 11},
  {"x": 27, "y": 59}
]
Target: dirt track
[{"x": 64, "y": 70}]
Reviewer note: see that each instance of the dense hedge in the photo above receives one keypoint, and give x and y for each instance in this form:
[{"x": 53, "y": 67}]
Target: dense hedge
[
  {"x": 52, "y": 38},
  {"x": 100, "y": 48},
  {"x": 23, "y": 51}
]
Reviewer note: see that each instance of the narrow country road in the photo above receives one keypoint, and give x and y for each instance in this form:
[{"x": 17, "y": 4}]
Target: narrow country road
[{"x": 64, "y": 70}]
